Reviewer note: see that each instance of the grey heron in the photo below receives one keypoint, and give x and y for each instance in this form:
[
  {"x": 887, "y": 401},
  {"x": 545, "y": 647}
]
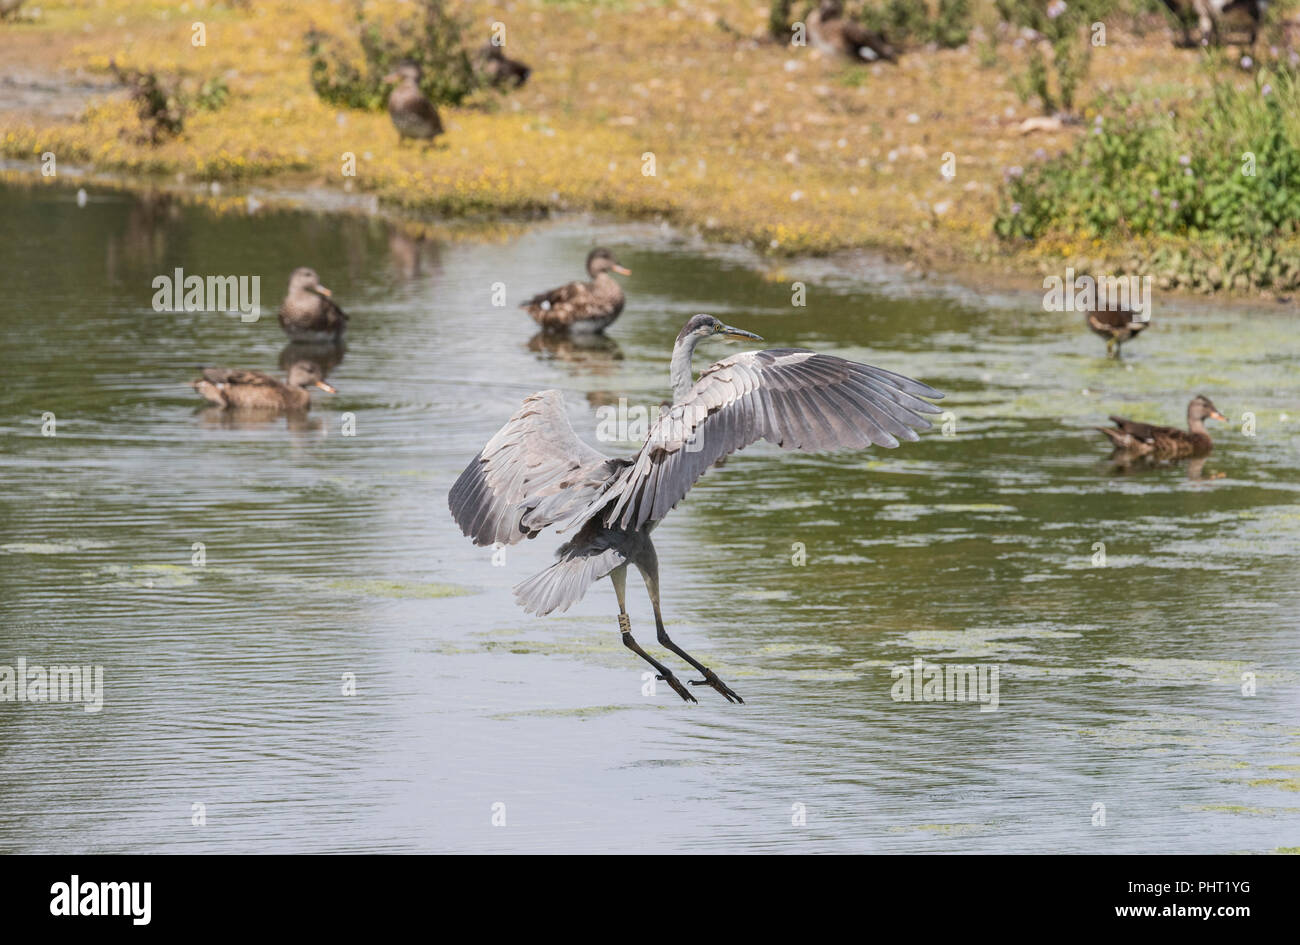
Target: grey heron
[{"x": 535, "y": 473}]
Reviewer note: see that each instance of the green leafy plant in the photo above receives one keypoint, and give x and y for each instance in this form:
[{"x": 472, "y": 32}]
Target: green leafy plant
[
  {"x": 1063, "y": 28},
  {"x": 1221, "y": 169},
  {"x": 914, "y": 21},
  {"x": 778, "y": 20},
  {"x": 158, "y": 102},
  {"x": 350, "y": 71},
  {"x": 952, "y": 22},
  {"x": 213, "y": 94}
]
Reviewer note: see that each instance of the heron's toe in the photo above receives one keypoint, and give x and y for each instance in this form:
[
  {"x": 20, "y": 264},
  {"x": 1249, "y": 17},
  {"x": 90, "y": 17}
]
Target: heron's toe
[{"x": 678, "y": 687}]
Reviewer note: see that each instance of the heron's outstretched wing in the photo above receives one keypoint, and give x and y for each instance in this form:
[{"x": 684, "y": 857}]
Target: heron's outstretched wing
[
  {"x": 792, "y": 397},
  {"x": 534, "y": 469}
]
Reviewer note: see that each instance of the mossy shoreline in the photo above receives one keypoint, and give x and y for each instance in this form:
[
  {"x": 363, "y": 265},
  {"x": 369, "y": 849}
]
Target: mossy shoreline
[{"x": 755, "y": 144}]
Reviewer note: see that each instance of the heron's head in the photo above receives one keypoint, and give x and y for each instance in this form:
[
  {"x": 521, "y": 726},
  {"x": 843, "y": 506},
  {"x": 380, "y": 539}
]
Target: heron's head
[
  {"x": 306, "y": 280},
  {"x": 308, "y": 374},
  {"x": 1201, "y": 407},
  {"x": 706, "y": 326},
  {"x": 602, "y": 260}
]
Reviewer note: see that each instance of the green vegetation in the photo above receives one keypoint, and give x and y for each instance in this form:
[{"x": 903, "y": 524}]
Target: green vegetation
[
  {"x": 350, "y": 70},
  {"x": 1065, "y": 28},
  {"x": 158, "y": 104},
  {"x": 946, "y": 24},
  {"x": 1221, "y": 170}
]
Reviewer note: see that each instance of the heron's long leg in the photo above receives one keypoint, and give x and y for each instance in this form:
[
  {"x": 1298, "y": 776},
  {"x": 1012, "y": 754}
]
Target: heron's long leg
[
  {"x": 649, "y": 567},
  {"x": 619, "y": 577}
]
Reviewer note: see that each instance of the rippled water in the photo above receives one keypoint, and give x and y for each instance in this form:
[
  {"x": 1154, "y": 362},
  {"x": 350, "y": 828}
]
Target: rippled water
[{"x": 329, "y": 554}]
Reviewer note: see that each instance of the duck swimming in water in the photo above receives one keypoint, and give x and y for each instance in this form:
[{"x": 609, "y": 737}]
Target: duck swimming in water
[
  {"x": 231, "y": 387},
  {"x": 309, "y": 312},
  {"x": 1134, "y": 438},
  {"x": 582, "y": 306}
]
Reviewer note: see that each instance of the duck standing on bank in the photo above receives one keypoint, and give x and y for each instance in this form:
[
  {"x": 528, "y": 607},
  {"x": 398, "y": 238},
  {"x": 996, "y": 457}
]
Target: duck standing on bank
[
  {"x": 309, "y": 312},
  {"x": 413, "y": 115},
  {"x": 253, "y": 390},
  {"x": 500, "y": 71},
  {"x": 1133, "y": 438},
  {"x": 582, "y": 306},
  {"x": 835, "y": 35}
]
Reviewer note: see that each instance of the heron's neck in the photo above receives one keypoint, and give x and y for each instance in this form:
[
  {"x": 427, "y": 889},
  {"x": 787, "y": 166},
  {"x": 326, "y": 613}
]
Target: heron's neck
[{"x": 682, "y": 377}]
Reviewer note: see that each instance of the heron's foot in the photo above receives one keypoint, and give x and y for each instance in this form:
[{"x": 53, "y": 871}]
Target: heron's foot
[
  {"x": 677, "y": 686},
  {"x": 711, "y": 679}
]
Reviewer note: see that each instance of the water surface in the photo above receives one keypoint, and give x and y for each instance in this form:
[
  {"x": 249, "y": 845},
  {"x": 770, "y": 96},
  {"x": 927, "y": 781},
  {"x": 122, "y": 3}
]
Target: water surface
[{"x": 329, "y": 555}]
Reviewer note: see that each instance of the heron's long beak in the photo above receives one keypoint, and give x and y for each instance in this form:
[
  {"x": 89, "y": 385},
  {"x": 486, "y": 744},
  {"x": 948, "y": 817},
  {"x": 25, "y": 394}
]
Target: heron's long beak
[
  {"x": 325, "y": 387},
  {"x": 321, "y": 290},
  {"x": 621, "y": 270},
  {"x": 1215, "y": 415},
  {"x": 739, "y": 333}
]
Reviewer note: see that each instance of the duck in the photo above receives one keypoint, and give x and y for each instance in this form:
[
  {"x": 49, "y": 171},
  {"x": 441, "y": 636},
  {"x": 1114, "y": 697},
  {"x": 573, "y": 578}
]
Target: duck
[
  {"x": 582, "y": 306},
  {"x": 1144, "y": 439},
  {"x": 231, "y": 387},
  {"x": 835, "y": 35},
  {"x": 500, "y": 71},
  {"x": 413, "y": 115},
  {"x": 1213, "y": 18},
  {"x": 1116, "y": 326},
  {"x": 309, "y": 312}
]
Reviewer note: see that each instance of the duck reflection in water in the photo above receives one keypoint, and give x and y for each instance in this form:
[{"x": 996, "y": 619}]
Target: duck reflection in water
[
  {"x": 223, "y": 418},
  {"x": 1139, "y": 446},
  {"x": 325, "y": 355},
  {"x": 595, "y": 353}
]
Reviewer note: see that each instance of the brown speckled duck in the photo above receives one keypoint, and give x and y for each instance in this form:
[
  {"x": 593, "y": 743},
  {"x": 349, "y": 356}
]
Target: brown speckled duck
[
  {"x": 501, "y": 72},
  {"x": 230, "y": 387},
  {"x": 582, "y": 306},
  {"x": 308, "y": 312},
  {"x": 413, "y": 115},
  {"x": 1116, "y": 327},
  {"x": 835, "y": 35},
  {"x": 1141, "y": 439}
]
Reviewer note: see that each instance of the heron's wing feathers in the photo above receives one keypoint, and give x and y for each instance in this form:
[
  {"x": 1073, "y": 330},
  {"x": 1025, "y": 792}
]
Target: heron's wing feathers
[
  {"x": 794, "y": 398},
  {"x": 532, "y": 470}
]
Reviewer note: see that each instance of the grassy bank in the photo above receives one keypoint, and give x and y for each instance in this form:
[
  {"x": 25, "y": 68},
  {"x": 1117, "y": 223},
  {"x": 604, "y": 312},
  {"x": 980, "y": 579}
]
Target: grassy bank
[{"x": 753, "y": 142}]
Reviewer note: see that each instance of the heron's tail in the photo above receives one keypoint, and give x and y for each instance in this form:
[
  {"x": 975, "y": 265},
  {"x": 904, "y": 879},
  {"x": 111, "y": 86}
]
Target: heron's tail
[{"x": 579, "y": 564}]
